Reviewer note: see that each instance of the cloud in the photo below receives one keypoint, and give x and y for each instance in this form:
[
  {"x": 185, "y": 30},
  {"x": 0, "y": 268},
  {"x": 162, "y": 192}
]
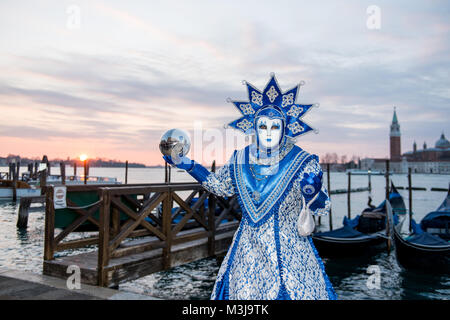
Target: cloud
[{"x": 130, "y": 73}]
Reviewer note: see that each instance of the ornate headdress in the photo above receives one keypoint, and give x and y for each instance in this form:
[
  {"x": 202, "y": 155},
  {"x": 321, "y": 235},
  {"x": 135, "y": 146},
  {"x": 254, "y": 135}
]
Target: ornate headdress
[{"x": 272, "y": 96}]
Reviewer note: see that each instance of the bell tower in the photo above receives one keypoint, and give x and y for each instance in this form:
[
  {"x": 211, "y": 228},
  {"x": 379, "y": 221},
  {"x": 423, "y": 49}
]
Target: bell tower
[{"x": 395, "y": 150}]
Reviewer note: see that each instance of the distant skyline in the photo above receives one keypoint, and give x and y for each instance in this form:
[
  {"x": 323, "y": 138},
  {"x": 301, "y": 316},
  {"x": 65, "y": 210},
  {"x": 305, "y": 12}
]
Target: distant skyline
[{"x": 108, "y": 78}]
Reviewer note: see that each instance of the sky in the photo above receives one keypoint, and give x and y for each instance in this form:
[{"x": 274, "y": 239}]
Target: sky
[{"x": 108, "y": 78}]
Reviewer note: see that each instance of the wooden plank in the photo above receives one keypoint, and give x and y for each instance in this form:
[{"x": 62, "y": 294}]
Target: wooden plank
[
  {"x": 188, "y": 199},
  {"x": 130, "y": 267},
  {"x": 129, "y": 226},
  {"x": 138, "y": 248},
  {"x": 78, "y": 222},
  {"x": 225, "y": 211},
  {"x": 115, "y": 222},
  {"x": 78, "y": 243},
  {"x": 194, "y": 208}
]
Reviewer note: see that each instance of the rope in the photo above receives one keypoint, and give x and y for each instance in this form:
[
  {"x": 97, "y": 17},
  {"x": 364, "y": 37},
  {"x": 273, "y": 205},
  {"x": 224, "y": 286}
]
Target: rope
[{"x": 86, "y": 206}]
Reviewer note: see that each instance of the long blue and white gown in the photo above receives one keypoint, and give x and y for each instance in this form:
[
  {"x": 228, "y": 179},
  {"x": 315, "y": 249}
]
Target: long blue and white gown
[{"x": 268, "y": 258}]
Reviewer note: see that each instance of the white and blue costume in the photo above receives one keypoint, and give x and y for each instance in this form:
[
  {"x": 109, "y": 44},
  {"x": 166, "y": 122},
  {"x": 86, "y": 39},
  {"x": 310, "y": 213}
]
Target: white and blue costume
[{"x": 268, "y": 258}]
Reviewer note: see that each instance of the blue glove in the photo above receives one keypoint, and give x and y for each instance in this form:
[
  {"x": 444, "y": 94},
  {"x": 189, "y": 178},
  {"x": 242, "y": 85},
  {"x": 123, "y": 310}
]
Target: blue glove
[
  {"x": 196, "y": 170},
  {"x": 181, "y": 163},
  {"x": 311, "y": 184}
]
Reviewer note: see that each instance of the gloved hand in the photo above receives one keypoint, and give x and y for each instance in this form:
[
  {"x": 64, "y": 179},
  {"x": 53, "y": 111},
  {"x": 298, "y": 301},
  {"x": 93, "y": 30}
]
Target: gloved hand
[
  {"x": 196, "y": 170},
  {"x": 311, "y": 185},
  {"x": 180, "y": 162}
]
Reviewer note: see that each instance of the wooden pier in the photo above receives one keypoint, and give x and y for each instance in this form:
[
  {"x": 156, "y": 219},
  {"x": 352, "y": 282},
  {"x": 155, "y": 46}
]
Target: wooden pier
[{"x": 130, "y": 238}]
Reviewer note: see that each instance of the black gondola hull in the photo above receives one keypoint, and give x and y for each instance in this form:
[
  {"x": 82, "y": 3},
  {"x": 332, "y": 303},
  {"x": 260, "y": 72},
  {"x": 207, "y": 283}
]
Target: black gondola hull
[
  {"x": 347, "y": 247},
  {"x": 423, "y": 258}
]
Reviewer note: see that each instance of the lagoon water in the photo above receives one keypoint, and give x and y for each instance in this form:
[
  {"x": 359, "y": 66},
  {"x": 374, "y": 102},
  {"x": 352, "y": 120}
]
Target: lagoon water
[{"x": 23, "y": 250}]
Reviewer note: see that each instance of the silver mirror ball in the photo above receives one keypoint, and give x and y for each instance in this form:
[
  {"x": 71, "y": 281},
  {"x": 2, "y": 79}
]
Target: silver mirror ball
[{"x": 175, "y": 143}]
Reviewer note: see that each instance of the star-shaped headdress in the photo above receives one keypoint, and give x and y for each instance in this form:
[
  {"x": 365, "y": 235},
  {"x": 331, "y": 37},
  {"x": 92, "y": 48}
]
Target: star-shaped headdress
[{"x": 272, "y": 95}]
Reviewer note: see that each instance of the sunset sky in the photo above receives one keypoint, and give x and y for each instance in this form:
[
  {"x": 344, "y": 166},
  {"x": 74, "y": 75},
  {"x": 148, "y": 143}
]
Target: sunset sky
[{"x": 108, "y": 78}]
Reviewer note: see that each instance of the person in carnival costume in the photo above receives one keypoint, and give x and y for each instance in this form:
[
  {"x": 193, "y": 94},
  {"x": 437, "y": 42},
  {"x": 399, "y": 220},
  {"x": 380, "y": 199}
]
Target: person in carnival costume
[{"x": 276, "y": 182}]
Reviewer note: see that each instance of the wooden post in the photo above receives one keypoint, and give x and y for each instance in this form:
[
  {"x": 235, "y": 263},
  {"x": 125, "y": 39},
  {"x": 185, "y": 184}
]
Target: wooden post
[
  {"x": 115, "y": 222},
  {"x": 62, "y": 169},
  {"x": 369, "y": 174},
  {"x": 349, "y": 189},
  {"x": 387, "y": 180},
  {"x": 85, "y": 171},
  {"x": 126, "y": 172},
  {"x": 170, "y": 173},
  {"x": 45, "y": 160},
  {"x": 410, "y": 199},
  {"x": 329, "y": 194},
  {"x": 14, "y": 179},
  {"x": 36, "y": 168},
  {"x": 30, "y": 169},
  {"x": 74, "y": 170},
  {"x": 167, "y": 228},
  {"x": 166, "y": 178},
  {"x": 388, "y": 231},
  {"x": 43, "y": 180},
  {"x": 10, "y": 176},
  {"x": 211, "y": 225},
  {"x": 103, "y": 245},
  {"x": 18, "y": 171},
  {"x": 22, "y": 219},
  {"x": 49, "y": 238}
]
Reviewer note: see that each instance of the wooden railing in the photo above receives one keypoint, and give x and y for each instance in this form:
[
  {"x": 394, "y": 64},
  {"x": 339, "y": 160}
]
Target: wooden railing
[{"x": 124, "y": 212}]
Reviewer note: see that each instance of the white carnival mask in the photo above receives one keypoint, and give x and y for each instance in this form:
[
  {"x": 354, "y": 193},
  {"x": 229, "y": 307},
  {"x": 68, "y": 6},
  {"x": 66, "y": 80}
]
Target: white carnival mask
[{"x": 270, "y": 132}]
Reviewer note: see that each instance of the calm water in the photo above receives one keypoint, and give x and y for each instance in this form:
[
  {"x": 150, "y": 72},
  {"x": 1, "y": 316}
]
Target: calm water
[{"x": 23, "y": 250}]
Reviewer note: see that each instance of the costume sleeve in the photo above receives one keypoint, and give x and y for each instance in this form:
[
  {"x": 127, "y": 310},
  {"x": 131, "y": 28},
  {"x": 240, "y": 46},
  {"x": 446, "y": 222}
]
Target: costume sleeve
[
  {"x": 220, "y": 182},
  {"x": 320, "y": 205}
]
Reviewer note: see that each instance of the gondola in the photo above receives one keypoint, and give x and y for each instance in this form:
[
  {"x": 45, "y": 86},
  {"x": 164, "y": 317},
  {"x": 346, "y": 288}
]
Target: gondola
[
  {"x": 427, "y": 247},
  {"x": 365, "y": 232}
]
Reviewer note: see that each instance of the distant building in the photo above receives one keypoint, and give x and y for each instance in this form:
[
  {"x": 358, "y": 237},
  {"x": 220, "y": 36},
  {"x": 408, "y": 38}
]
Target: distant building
[
  {"x": 394, "y": 138},
  {"x": 427, "y": 160}
]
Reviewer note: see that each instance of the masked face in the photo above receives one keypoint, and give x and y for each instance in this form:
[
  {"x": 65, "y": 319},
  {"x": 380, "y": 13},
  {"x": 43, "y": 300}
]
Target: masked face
[{"x": 269, "y": 132}]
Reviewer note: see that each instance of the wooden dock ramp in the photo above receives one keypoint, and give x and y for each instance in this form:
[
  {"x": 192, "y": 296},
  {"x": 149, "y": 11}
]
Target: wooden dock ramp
[{"x": 135, "y": 230}]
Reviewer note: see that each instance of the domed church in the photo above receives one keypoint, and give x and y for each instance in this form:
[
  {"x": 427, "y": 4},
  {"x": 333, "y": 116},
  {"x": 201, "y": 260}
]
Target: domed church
[
  {"x": 440, "y": 152},
  {"x": 425, "y": 160}
]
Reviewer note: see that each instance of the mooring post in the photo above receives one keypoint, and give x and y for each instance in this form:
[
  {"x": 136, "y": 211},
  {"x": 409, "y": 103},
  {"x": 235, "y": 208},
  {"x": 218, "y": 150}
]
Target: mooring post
[
  {"x": 369, "y": 174},
  {"x": 22, "y": 218},
  {"x": 43, "y": 180},
  {"x": 126, "y": 172},
  {"x": 103, "y": 246},
  {"x": 74, "y": 170},
  {"x": 349, "y": 189},
  {"x": 410, "y": 199},
  {"x": 49, "y": 238},
  {"x": 30, "y": 169},
  {"x": 167, "y": 228},
  {"x": 62, "y": 168},
  {"x": 329, "y": 194},
  {"x": 14, "y": 173},
  {"x": 166, "y": 177},
  {"x": 388, "y": 231},
  {"x": 212, "y": 219},
  {"x": 85, "y": 171},
  {"x": 36, "y": 170}
]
